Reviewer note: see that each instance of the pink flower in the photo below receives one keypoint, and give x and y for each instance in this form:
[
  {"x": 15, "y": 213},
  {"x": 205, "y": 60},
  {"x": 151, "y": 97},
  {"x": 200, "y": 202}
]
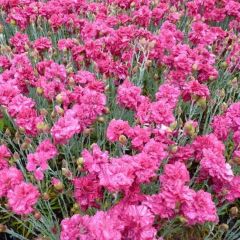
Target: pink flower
[
  {"x": 28, "y": 120},
  {"x": 108, "y": 226},
  {"x": 22, "y": 198},
  {"x": 65, "y": 127},
  {"x": 155, "y": 150},
  {"x": 233, "y": 115},
  {"x": 160, "y": 205},
  {"x": 220, "y": 126},
  {"x": 20, "y": 103},
  {"x": 93, "y": 161},
  {"x": 19, "y": 41},
  {"x": 7, "y": 93},
  {"x": 232, "y": 188},
  {"x": 75, "y": 228},
  {"x": 173, "y": 173},
  {"x": 209, "y": 142},
  {"x": 4, "y": 156},
  {"x": 10, "y": 177},
  {"x": 169, "y": 94},
  {"x": 215, "y": 166},
  {"x": 47, "y": 148},
  {"x": 138, "y": 221},
  {"x": 87, "y": 191},
  {"x": 140, "y": 136},
  {"x": 161, "y": 113},
  {"x": 42, "y": 44},
  {"x": 128, "y": 95},
  {"x": 193, "y": 90},
  {"x": 38, "y": 161},
  {"x": 117, "y": 175},
  {"x": 116, "y": 128},
  {"x": 200, "y": 209}
]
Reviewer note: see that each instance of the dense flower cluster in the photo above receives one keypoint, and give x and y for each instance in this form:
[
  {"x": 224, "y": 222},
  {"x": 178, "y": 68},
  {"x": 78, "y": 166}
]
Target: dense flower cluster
[{"x": 119, "y": 116}]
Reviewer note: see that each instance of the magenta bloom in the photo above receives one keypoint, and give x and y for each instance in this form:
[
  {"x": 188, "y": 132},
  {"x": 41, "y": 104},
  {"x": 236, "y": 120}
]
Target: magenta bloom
[{"x": 22, "y": 198}]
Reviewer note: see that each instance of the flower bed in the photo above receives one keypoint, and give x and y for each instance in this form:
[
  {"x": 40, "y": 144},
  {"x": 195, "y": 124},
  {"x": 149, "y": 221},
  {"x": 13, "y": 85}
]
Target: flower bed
[{"x": 120, "y": 119}]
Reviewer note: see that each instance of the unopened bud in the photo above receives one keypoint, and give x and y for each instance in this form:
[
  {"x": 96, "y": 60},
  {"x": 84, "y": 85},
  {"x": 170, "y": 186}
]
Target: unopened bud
[
  {"x": 190, "y": 128},
  {"x": 59, "y": 186},
  {"x": 80, "y": 161},
  {"x": 202, "y": 102},
  {"x": 39, "y": 91},
  {"x": 42, "y": 127},
  {"x": 224, "y": 227},
  {"x": 182, "y": 220},
  {"x": 234, "y": 211},
  {"x": 3, "y": 228},
  {"x": 45, "y": 196},
  {"x": 37, "y": 215},
  {"x": 25, "y": 146},
  {"x": 13, "y": 22},
  {"x": 106, "y": 110},
  {"x": 101, "y": 119},
  {"x": 67, "y": 173},
  {"x": 223, "y": 64},
  {"x": 224, "y": 107},
  {"x": 195, "y": 66},
  {"x": 122, "y": 139},
  {"x": 8, "y": 132},
  {"x": 173, "y": 148},
  {"x": 43, "y": 112},
  {"x": 59, "y": 110},
  {"x": 59, "y": 99}
]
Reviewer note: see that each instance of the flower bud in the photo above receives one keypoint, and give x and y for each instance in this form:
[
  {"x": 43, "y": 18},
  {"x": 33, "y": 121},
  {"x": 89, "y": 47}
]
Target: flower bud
[
  {"x": 224, "y": 227},
  {"x": 67, "y": 173},
  {"x": 43, "y": 127},
  {"x": 43, "y": 112},
  {"x": 39, "y": 91},
  {"x": 202, "y": 102},
  {"x": 13, "y": 22},
  {"x": 59, "y": 186},
  {"x": 3, "y": 228},
  {"x": 45, "y": 196},
  {"x": 155, "y": 77},
  {"x": 212, "y": 78},
  {"x": 80, "y": 161},
  {"x": 234, "y": 211},
  {"x": 122, "y": 139},
  {"x": 195, "y": 67},
  {"x": 59, "y": 99},
  {"x": 223, "y": 65},
  {"x": 173, "y": 125},
  {"x": 25, "y": 146},
  {"x": 190, "y": 128},
  {"x": 7, "y": 133},
  {"x": 59, "y": 110},
  {"x": 173, "y": 148},
  {"x": 16, "y": 156},
  {"x": 101, "y": 119},
  {"x": 1, "y": 28},
  {"x": 37, "y": 215},
  {"x": 87, "y": 131}
]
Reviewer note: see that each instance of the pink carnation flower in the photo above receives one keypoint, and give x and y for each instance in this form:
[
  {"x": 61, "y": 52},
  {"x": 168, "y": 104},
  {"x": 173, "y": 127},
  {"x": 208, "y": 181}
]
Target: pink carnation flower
[
  {"x": 65, "y": 127},
  {"x": 128, "y": 95},
  {"x": 193, "y": 90},
  {"x": 10, "y": 177},
  {"x": 22, "y": 198},
  {"x": 117, "y": 128},
  {"x": 4, "y": 156},
  {"x": 200, "y": 209},
  {"x": 42, "y": 44},
  {"x": 87, "y": 191}
]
